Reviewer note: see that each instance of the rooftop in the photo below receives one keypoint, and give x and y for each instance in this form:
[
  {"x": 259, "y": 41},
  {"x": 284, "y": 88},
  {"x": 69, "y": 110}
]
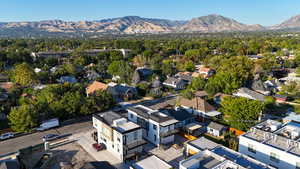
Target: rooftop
[
  {"x": 154, "y": 115},
  {"x": 203, "y": 143},
  {"x": 285, "y": 137},
  {"x": 152, "y": 162}
]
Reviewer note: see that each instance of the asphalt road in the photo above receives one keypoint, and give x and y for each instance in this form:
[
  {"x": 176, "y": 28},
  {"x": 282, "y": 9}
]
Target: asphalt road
[{"x": 14, "y": 144}]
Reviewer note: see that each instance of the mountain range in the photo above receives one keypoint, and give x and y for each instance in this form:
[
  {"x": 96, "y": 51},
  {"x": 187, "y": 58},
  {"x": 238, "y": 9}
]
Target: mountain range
[{"x": 136, "y": 24}]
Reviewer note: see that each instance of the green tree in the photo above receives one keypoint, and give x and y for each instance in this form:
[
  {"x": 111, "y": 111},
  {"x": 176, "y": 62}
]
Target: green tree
[
  {"x": 189, "y": 66},
  {"x": 122, "y": 69},
  {"x": 241, "y": 113},
  {"x": 198, "y": 83},
  {"x": 24, "y": 75},
  {"x": 23, "y": 118}
]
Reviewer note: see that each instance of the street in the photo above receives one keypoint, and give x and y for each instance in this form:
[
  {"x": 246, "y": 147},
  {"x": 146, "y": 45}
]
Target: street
[{"x": 14, "y": 144}]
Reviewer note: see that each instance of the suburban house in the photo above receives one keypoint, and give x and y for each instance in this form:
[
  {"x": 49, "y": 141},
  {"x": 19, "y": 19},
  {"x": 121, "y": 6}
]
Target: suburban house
[
  {"x": 94, "y": 87},
  {"x": 198, "y": 107},
  {"x": 121, "y": 137},
  {"x": 258, "y": 86},
  {"x": 250, "y": 94},
  {"x": 158, "y": 128},
  {"x": 216, "y": 129},
  {"x": 291, "y": 77},
  {"x": 175, "y": 83},
  {"x": 186, "y": 76},
  {"x": 67, "y": 79},
  {"x": 151, "y": 162},
  {"x": 141, "y": 74},
  {"x": 206, "y": 72},
  {"x": 6, "y": 86},
  {"x": 4, "y": 77},
  {"x": 220, "y": 157},
  {"x": 273, "y": 85},
  {"x": 121, "y": 92},
  {"x": 291, "y": 116},
  {"x": 273, "y": 143}
]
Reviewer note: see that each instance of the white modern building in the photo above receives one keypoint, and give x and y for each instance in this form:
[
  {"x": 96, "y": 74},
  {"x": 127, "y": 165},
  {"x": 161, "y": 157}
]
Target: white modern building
[
  {"x": 273, "y": 143},
  {"x": 120, "y": 136},
  {"x": 158, "y": 128},
  {"x": 204, "y": 153},
  {"x": 152, "y": 162}
]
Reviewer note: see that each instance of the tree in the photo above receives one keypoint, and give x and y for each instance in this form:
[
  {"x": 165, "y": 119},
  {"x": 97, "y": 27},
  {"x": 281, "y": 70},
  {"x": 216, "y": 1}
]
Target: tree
[
  {"x": 24, "y": 75},
  {"x": 23, "y": 118},
  {"x": 189, "y": 66},
  {"x": 241, "y": 113},
  {"x": 198, "y": 83},
  {"x": 167, "y": 67},
  {"x": 122, "y": 69}
]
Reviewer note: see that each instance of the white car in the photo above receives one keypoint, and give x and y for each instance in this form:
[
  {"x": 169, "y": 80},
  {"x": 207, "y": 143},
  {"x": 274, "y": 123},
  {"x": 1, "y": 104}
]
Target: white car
[{"x": 6, "y": 136}]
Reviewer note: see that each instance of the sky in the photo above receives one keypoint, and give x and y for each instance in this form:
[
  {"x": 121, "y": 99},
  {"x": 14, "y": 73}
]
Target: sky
[{"x": 264, "y": 12}]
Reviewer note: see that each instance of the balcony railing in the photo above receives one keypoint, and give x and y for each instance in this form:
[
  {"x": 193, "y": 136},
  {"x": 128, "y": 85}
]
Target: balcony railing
[
  {"x": 135, "y": 144},
  {"x": 169, "y": 133}
]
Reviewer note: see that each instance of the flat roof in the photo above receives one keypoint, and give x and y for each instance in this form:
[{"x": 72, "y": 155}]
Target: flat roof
[
  {"x": 152, "y": 162},
  {"x": 128, "y": 126},
  {"x": 203, "y": 143},
  {"x": 193, "y": 126}
]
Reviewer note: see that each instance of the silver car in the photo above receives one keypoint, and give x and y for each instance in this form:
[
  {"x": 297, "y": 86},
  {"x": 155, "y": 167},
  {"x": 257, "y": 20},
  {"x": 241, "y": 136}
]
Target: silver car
[{"x": 6, "y": 136}]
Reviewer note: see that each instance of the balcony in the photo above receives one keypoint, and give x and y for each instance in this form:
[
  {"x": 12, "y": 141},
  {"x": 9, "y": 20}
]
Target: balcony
[
  {"x": 169, "y": 133},
  {"x": 135, "y": 144}
]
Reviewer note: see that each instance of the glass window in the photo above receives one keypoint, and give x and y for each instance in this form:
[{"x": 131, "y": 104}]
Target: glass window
[
  {"x": 274, "y": 157},
  {"x": 135, "y": 135},
  {"x": 154, "y": 126},
  {"x": 251, "y": 148},
  {"x": 154, "y": 137},
  {"x": 131, "y": 116}
]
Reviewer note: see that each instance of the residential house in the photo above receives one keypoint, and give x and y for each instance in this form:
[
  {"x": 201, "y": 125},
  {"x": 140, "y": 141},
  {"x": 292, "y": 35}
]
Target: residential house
[
  {"x": 216, "y": 129},
  {"x": 121, "y": 92},
  {"x": 121, "y": 137},
  {"x": 186, "y": 76},
  {"x": 291, "y": 77},
  {"x": 250, "y": 94},
  {"x": 291, "y": 116},
  {"x": 221, "y": 157},
  {"x": 206, "y": 72},
  {"x": 6, "y": 86},
  {"x": 273, "y": 143},
  {"x": 158, "y": 128},
  {"x": 151, "y": 162},
  {"x": 4, "y": 77},
  {"x": 175, "y": 83},
  {"x": 255, "y": 57},
  {"x": 94, "y": 87},
  {"x": 198, "y": 107},
  {"x": 141, "y": 74},
  {"x": 273, "y": 85},
  {"x": 258, "y": 86},
  {"x": 67, "y": 79}
]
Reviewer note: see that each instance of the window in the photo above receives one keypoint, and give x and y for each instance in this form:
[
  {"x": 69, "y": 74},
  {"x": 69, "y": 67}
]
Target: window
[
  {"x": 297, "y": 165},
  {"x": 274, "y": 157},
  {"x": 154, "y": 126},
  {"x": 251, "y": 148},
  {"x": 154, "y": 137},
  {"x": 135, "y": 135},
  {"x": 119, "y": 140},
  {"x": 131, "y": 116}
]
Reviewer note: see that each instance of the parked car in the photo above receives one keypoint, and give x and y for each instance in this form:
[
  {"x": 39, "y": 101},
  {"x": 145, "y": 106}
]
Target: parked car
[
  {"x": 48, "y": 124},
  {"x": 50, "y": 137},
  {"x": 6, "y": 136},
  {"x": 98, "y": 147}
]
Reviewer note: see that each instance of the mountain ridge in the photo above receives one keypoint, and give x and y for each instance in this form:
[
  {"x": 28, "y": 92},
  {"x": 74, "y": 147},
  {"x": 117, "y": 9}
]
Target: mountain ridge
[{"x": 138, "y": 25}]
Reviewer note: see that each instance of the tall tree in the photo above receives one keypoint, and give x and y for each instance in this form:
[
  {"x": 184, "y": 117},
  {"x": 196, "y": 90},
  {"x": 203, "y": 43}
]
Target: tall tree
[{"x": 24, "y": 75}]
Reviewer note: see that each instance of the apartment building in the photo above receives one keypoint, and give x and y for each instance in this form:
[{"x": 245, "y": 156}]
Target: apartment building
[
  {"x": 273, "y": 143},
  {"x": 121, "y": 137},
  {"x": 158, "y": 128}
]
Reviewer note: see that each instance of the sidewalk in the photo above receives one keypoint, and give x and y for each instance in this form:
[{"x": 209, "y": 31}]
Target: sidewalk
[{"x": 85, "y": 141}]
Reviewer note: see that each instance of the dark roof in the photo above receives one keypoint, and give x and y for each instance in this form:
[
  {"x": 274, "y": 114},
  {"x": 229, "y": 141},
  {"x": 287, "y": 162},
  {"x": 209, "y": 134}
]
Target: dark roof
[
  {"x": 216, "y": 126},
  {"x": 11, "y": 164},
  {"x": 258, "y": 85},
  {"x": 108, "y": 117},
  {"x": 155, "y": 115},
  {"x": 178, "y": 114}
]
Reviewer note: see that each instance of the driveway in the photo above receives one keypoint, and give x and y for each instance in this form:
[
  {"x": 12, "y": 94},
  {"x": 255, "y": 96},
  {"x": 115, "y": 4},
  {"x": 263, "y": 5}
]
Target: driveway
[{"x": 85, "y": 140}]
